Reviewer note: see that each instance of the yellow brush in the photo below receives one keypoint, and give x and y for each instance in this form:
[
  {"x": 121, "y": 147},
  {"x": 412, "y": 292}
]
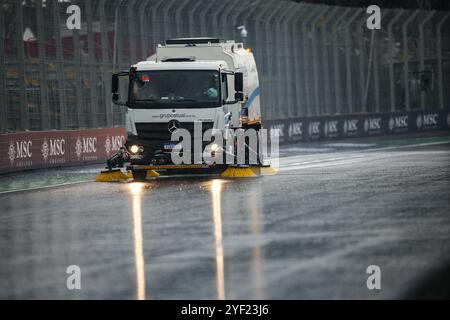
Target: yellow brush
[
  {"x": 152, "y": 173},
  {"x": 238, "y": 172},
  {"x": 268, "y": 170},
  {"x": 111, "y": 176}
]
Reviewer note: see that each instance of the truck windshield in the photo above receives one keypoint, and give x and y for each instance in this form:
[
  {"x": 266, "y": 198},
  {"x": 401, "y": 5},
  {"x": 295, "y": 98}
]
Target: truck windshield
[{"x": 170, "y": 88}]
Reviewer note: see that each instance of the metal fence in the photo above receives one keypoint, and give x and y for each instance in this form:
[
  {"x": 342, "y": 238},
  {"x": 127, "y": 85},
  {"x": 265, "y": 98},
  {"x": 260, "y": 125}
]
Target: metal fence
[{"x": 312, "y": 59}]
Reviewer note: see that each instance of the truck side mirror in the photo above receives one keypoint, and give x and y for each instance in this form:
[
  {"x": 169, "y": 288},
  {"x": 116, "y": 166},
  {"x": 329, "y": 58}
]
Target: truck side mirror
[
  {"x": 115, "y": 85},
  {"x": 239, "y": 96},
  {"x": 239, "y": 81},
  {"x": 115, "y": 89}
]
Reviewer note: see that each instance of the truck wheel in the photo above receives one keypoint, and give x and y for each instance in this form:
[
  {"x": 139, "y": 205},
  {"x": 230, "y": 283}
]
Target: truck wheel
[{"x": 139, "y": 175}]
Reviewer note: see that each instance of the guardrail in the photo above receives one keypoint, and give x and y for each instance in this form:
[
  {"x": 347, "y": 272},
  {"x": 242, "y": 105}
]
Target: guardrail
[
  {"x": 358, "y": 125},
  {"x": 45, "y": 149}
]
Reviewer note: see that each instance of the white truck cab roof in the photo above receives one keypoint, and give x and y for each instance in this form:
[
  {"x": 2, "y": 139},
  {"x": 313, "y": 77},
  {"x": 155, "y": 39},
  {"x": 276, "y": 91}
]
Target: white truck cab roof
[{"x": 188, "y": 65}]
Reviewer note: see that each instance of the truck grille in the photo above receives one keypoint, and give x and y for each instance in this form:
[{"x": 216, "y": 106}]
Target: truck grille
[{"x": 157, "y": 134}]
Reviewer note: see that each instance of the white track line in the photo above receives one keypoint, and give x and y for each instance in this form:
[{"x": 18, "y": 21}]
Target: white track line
[
  {"x": 408, "y": 146},
  {"x": 45, "y": 187}
]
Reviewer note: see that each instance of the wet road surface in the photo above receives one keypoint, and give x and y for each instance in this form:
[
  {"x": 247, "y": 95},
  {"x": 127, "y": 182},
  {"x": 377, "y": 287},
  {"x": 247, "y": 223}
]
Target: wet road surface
[{"x": 308, "y": 232}]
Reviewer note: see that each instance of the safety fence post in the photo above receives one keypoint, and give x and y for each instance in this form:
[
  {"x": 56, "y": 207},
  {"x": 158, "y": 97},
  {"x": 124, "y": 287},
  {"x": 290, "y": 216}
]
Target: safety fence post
[
  {"x": 391, "y": 60},
  {"x": 439, "y": 59},
  {"x": 348, "y": 61},
  {"x": 315, "y": 57},
  {"x": 272, "y": 58},
  {"x": 225, "y": 18},
  {"x": 216, "y": 18},
  {"x": 106, "y": 65},
  {"x": 326, "y": 61},
  {"x": 261, "y": 52},
  {"x": 306, "y": 62},
  {"x": 191, "y": 17},
  {"x": 3, "y": 106},
  {"x": 181, "y": 7},
  {"x": 298, "y": 102},
  {"x": 422, "y": 53},
  {"x": 375, "y": 62},
  {"x": 169, "y": 31},
  {"x": 360, "y": 26},
  {"x": 282, "y": 80},
  {"x": 204, "y": 30},
  {"x": 24, "y": 115},
  {"x": 60, "y": 68},
  {"x": 290, "y": 59},
  {"x": 94, "y": 117},
  {"x": 338, "y": 96},
  {"x": 43, "y": 85},
  {"x": 81, "y": 115},
  {"x": 406, "y": 58}
]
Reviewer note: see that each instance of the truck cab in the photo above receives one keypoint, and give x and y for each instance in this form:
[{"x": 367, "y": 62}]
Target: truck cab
[{"x": 188, "y": 82}]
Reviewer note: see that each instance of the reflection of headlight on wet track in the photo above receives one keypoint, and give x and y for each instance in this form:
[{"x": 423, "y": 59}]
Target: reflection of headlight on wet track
[{"x": 136, "y": 188}]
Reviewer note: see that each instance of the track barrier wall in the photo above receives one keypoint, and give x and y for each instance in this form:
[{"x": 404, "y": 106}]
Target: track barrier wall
[
  {"x": 358, "y": 125},
  {"x": 45, "y": 149}
]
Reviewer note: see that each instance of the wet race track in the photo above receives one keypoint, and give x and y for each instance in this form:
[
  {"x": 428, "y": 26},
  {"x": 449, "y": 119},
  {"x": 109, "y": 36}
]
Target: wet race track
[{"x": 309, "y": 231}]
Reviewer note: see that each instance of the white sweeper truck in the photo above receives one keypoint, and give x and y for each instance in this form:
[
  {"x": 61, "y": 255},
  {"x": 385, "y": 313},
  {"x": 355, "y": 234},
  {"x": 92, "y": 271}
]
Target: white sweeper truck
[{"x": 187, "y": 101}]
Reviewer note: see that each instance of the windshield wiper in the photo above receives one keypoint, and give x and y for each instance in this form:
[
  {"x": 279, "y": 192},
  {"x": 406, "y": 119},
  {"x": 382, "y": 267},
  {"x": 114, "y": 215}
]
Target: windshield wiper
[
  {"x": 184, "y": 100},
  {"x": 152, "y": 100}
]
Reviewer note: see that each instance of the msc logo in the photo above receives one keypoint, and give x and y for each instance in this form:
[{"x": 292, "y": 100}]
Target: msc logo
[
  {"x": 85, "y": 145},
  {"x": 53, "y": 147},
  {"x": 19, "y": 150},
  {"x": 113, "y": 143},
  {"x": 314, "y": 128},
  {"x": 372, "y": 124},
  {"x": 295, "y": 129},
  {"x": 331, "y": 127},
  {"x": 277, "y": 129},
  {"x": 351, "y": 125},
  {"x": 427, "y": 120},
  {"x": 399, "y": 122},
  {"x": 11, "y": 152}
]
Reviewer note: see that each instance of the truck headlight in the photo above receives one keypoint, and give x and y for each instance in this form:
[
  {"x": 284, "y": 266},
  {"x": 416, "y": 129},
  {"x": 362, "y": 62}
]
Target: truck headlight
[
  {"x": 214, "y": 147},
  {"x": 135, "y": 149}
]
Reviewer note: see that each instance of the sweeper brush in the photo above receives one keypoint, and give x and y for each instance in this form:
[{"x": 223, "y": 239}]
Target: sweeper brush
[
  {"x": 152, "y": 173},
  {"x": 243, "y": 172},
  {"x": 238, "y": 172},
  {"x": 264, "y": 170},
  {"x": 111, "y": 176}
]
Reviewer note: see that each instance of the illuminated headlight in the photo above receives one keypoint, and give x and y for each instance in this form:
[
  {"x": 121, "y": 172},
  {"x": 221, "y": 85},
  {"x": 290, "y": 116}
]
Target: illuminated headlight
[
  {"x": 135, "y": 149},
  {"x": 214, "y": 147}
]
